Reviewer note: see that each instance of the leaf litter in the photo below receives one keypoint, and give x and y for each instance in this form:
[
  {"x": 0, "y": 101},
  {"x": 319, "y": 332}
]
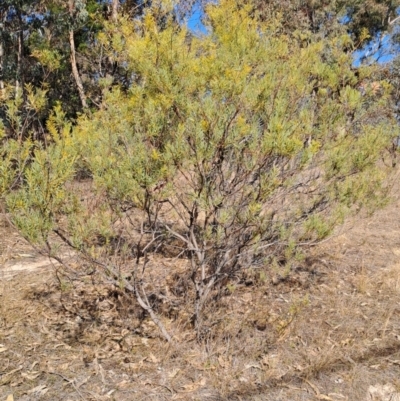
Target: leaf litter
[{"x": 330, "y": 339}]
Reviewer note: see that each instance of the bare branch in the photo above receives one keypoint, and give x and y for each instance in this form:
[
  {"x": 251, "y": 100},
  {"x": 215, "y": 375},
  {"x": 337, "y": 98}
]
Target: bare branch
[{"x": 391, "y": 22}]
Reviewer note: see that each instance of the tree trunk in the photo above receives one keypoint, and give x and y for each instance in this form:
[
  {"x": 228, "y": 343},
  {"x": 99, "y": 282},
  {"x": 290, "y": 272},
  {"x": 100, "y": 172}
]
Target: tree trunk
[
  {"x": 74, "y": 66},
  {"x": 2, "y": 52},
  {"x": 20, "y": 81},
  {"x": 114, "y": 10},
  {"x": 75, "y": 71},
  {"x": 1, "y": 67}
]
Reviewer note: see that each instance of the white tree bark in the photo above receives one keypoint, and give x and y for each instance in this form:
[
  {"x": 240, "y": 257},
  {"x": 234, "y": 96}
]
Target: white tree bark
[
  {"x": 74, "y": 65},
  {"x": 75, "y": 71},
  {"x": 114, "y": 10},
  {"x": 1, "y": 67}
]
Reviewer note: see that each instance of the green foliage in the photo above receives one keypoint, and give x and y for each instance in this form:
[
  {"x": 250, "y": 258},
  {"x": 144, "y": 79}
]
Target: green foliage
[
  {"x": 364, "y": 19},
  {"x": 42, "y": 195},
  {"x": 240, "y": 144},
  {"x": 13, "y": 160}
]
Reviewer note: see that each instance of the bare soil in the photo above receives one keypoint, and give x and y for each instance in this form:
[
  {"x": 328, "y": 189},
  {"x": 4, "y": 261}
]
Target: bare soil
[{"x": 327, "y": 330}]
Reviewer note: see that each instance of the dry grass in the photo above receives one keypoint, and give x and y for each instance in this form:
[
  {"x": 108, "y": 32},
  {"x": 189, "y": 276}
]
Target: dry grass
[{"x": 327, "y": 331}]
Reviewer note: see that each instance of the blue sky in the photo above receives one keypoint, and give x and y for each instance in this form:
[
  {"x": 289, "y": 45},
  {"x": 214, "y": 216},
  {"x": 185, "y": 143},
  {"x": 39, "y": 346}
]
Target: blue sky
[
  {"x": 194, "y": 22},
  {"x": 380, "y": 50}
]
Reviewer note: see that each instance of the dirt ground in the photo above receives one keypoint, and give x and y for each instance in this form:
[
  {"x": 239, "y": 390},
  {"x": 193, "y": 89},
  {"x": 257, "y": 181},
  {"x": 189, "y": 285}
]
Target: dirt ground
[{"x": 330, "y": 330}]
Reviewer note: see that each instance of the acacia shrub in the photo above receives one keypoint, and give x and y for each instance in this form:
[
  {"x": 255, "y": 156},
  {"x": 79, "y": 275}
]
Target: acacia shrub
[{"x": 243, "y": 145}]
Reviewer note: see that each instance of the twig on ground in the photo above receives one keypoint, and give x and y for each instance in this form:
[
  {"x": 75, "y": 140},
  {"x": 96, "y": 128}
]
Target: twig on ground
[{"x": 71, "y": 382}]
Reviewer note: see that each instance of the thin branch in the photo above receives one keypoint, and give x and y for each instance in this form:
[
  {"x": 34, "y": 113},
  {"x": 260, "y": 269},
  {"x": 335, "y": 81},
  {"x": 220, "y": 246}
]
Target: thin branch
[
  {"x": 391, "y": 22},
  {"x": 146, "y": 306},
  {"x": 134, "y": 289},
  {"x": 71, "y": 382},
  {"x": 175, "y": 234}
]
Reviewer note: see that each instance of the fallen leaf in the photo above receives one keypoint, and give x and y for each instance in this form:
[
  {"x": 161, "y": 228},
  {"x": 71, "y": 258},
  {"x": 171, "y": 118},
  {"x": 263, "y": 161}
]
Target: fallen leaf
[
  {"x": 123, "y": 384},
  {"x": 10, "y": 397},
  {"x": 194, "y": 386},
  {"x": 337, "y": 395},
  {"x": 222, "y": 362},
  {"x": 2, "y": 349},
  {"x": 375, "y": 366},
  {"x": 62, "y": 345},
  {"x": 8, "y": 376},
  {"x": 324, "y": 397},
  {"x": 383, "y": 392},
  {"x": 16, "y": 382},
  {"x": 39, "y": 390},
  {"x": 190, "y": 387},
  {"x": 173, "y": 373},
  {"x": 299, "y": 367},
  {"x": 82, "y": 382},
  {"x": 31, "y": 375},
  {"x": 253, "y": 365}
]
